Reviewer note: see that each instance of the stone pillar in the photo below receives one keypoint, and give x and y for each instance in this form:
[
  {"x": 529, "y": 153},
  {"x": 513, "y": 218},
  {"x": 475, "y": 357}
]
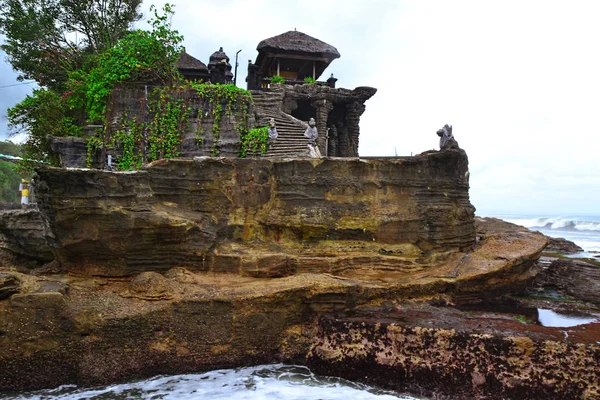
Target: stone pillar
[
  {"x": 323, "y": 107},
  {"x": 353, "y": 112},
  {"x": 253, "y": 79}
]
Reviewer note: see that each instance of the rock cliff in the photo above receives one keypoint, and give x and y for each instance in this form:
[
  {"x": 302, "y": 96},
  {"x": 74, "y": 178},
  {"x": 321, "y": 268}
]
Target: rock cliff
[{"x": 259, "y": 217}]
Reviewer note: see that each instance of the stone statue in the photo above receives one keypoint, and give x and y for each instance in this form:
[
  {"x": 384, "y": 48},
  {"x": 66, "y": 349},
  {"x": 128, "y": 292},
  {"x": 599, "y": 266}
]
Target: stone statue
[
  {"x": 272, "y": 129},
  {"x": 312, "y": 135},
  {"x": 447, "y": 141}
]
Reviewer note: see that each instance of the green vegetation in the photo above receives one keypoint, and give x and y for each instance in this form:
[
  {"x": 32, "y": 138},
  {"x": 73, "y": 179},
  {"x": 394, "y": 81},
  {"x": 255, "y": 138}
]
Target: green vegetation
[
  {"x": 41, "y": 114},
  {"x": 277, "y": 79},
  {"x": 48, "y": 39},
  {"x": 10, "y": 149},
  {"x": 80, "y": 93},
  {"x": 310, "y": 81},
  {"x": 40, "y": 45},
  {"x": 255, "y": 141},
  {"x": 522, "y": 319},
  {"x": 9, "y": 182},
  {"x": 159, "y": 135},
  {"x": 140, "y": 56}
]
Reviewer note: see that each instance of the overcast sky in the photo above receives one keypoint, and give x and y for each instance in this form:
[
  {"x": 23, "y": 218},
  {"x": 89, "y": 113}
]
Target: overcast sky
[{"x": 518, "y": 80}]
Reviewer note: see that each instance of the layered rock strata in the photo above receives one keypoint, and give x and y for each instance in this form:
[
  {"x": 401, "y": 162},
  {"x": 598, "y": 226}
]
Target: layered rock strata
[
  {"x": 260, "y": 217},
  {"x": 95, "y": 330}
]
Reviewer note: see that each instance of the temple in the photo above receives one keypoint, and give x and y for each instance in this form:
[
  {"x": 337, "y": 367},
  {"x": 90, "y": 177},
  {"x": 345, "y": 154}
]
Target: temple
[
  {"x": 294, "y": 56},
  {"x": 284, "y": 84}
]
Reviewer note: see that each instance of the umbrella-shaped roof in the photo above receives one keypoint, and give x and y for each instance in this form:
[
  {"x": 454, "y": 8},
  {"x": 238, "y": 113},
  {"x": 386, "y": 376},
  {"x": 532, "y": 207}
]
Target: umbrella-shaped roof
[{"x": 298, "y": 42}]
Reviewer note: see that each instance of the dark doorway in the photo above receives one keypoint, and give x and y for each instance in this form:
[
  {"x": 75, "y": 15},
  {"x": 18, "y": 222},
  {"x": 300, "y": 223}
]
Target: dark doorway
[
  {"x": 337, "y": 145},
  {"x": 304, "y": 111}
]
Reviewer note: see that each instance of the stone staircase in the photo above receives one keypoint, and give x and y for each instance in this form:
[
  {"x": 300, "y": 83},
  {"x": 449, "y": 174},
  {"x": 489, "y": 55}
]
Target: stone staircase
[{"x": 290, "y": 140}]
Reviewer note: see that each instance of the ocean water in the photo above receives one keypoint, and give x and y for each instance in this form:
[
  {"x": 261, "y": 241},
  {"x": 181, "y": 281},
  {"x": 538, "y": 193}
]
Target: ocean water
[
  {"x": 583, "y": 230},
  {"x": 273, "y": 382}
]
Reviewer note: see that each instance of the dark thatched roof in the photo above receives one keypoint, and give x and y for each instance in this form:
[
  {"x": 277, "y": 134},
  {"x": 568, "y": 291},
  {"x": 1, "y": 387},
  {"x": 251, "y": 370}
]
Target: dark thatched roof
[
  {"x": 188, "y": 62},
  {"x": 298, "y": 42}
]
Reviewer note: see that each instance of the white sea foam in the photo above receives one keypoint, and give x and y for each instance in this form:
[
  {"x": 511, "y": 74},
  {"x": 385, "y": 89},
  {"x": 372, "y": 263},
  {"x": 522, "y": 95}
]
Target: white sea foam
[{"x": 262, "y": 382}]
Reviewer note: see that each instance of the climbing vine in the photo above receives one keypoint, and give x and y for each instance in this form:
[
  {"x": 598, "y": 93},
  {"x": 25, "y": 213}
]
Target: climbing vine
[
  {"x": 236, "y": 102},
  {"x": 170, "y": 117},
  {"x": 157, "y": 131}
]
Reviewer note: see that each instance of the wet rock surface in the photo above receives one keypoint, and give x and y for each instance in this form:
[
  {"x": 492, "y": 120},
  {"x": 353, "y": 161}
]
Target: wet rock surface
[{"x": 9, "y": 285}]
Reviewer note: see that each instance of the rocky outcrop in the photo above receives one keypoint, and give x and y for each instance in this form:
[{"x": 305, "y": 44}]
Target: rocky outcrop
[
  {"x": 447, "y": 354},
  {"x": 562, "y": 246},
  {"x": 576, "y": 278},
  {"x": 259, "y": 217},
  {"x": 23, "y": 235}
]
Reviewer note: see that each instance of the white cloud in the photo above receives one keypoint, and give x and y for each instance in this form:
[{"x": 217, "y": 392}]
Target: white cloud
[{"x": 517, "y": 79}]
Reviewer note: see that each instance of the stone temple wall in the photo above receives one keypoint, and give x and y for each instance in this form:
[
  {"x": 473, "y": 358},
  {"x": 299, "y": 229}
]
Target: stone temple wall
[
  {"x": 198, "y": 137},
  {"x": 258, "y": 217}
]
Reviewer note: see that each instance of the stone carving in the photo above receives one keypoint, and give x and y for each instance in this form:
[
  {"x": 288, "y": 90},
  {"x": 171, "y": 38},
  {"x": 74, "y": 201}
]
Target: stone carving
[
  {"x": 447, "y": 141},
  {"x": 272, "y": 129},
  {"x": 312, "y": 135}
]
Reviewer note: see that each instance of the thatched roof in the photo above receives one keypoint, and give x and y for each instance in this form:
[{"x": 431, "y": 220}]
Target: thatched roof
[
  {"x": 188, "y": 62},
  {"x": 298, "y": 42}
]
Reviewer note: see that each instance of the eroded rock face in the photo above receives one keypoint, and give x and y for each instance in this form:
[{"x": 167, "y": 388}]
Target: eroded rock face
[{"x": 258, "y": 217}]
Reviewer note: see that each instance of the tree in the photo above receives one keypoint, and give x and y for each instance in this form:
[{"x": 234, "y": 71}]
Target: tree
[
  {"x": 47, "y": 39},
  {"x": 10, "y": 149},
  {"x": 41, "y": 114}
]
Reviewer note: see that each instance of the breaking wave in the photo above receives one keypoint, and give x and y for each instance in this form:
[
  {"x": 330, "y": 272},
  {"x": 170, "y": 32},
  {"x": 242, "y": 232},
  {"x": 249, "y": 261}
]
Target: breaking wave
[{"x": 558, "y": 223}]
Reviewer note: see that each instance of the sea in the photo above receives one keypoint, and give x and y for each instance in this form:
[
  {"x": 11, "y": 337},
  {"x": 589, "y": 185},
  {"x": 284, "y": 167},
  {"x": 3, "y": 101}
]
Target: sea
[
  {"x": 273, "y": 382},
  {"x": 581, "y": 229},
  {"x": 291, "y": 382}
]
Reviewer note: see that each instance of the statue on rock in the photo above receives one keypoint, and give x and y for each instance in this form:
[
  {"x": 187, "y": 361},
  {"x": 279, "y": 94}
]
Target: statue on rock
[
  {"x": 272, "y": 129},
  {"x": 272, "y": 133},
  {"x": 447, "y": 141},
  {"x": 312, "y": 135}
]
